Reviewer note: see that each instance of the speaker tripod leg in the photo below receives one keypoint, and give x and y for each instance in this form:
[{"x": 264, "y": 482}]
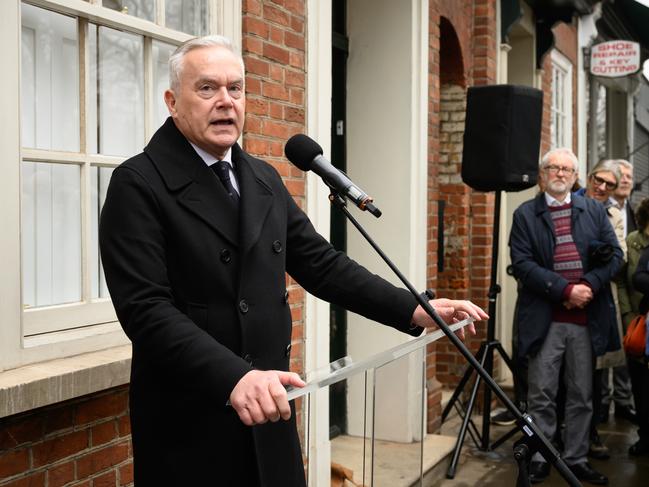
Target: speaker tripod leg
[
  {"x": 486, "y": 405},
  {"x": 510, "y": 364},
  {"x": 505, "y": 356},
  {"x": 450, "y": 473},
  {"x": 460, "y": 387}
]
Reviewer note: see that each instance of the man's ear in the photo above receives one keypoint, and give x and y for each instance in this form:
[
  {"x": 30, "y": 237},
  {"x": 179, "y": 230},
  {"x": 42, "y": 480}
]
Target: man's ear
[{"x": 170, "y": 101}]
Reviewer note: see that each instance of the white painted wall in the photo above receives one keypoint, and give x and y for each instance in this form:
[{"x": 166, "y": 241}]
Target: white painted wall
[
  {"x": 318, "y": 208},
  {"x": 386, "y": 109}
]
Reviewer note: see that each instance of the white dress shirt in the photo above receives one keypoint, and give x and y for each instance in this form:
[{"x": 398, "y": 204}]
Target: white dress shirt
[
  {"x": 210, "y": 159},
  {"x": 552, "y": 201}
]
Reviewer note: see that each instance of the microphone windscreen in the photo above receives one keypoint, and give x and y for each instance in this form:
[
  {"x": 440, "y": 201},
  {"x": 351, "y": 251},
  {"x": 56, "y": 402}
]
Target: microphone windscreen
[{"x": 301, "y": 150}]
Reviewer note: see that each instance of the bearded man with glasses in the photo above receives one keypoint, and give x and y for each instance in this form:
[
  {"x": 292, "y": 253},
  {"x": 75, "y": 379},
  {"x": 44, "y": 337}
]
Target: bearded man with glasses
[{"x": 564, "y": 308}]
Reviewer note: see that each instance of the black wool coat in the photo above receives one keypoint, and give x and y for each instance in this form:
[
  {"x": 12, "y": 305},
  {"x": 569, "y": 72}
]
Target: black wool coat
[{"x": 201, "y": 292}]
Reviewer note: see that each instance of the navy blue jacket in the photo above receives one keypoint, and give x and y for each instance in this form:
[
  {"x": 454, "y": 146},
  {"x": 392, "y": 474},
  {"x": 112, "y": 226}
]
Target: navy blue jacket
[{"x": 532, "y": 243}]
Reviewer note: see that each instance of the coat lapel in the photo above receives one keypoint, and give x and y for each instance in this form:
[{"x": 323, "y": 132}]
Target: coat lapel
[
  {"x": 207, "y": 198},
  {"x": 541, "y": 209},
  {"x": 256, "y": 198},
  {"x": 186, "y": 174}
]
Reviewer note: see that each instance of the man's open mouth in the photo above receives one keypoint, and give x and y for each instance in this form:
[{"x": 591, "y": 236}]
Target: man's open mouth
[{"x": 224, "y": 121}]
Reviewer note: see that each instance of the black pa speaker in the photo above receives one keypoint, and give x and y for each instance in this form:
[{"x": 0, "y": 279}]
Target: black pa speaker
[{"x": 502, "y": 137}]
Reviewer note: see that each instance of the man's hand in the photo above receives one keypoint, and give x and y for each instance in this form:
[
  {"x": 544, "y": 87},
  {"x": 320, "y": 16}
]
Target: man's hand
[
  {"x": 451, "y": 311},
  {"x": 580, "y": 296},
  {"x": 260, "y": 396}
]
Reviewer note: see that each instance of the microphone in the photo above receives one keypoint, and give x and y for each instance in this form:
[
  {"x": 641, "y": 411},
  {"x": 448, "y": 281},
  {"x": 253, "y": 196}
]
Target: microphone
[{"x": 306, "y": 154}]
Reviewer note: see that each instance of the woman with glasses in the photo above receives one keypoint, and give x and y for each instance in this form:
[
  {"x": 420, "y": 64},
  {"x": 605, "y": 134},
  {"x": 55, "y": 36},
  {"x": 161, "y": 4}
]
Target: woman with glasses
[{"x": 602, "y": 180}]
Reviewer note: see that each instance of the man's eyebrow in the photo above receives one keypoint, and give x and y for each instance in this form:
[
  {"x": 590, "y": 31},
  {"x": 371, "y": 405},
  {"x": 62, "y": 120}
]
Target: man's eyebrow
[
  {"x": 205, "y": 79},
  {"x": 208, "y": 80}
]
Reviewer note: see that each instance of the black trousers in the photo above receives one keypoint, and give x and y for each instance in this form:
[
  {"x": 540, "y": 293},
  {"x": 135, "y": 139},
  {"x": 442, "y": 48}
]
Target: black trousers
[{"x": 639, "y": 373}]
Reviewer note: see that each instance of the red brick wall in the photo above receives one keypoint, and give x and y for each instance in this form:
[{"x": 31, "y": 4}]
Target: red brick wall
[
  {"x": 485, "y": 35},
  {"x": 546, "y": 82},
  {"x": 274, "y": 50},
  {"x": 81, "y": 443},
  {"x": 469, "y": 216}
]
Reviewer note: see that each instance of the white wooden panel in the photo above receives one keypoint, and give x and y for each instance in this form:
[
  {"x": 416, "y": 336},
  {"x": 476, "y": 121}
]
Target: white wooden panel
[{"x": 67, "y": 317}]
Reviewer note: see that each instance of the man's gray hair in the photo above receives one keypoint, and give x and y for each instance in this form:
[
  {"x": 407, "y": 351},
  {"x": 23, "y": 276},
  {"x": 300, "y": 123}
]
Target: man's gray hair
[
  {"x": 560, "y": 151},
  {"x": 176, "y": 59},
  {"x": 607, "y": 165},
  {"x": 625, "y": 163}
]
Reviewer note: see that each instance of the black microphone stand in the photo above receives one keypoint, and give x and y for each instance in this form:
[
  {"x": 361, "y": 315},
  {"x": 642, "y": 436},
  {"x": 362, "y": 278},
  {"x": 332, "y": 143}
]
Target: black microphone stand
[{"x": 532, "y": 440}]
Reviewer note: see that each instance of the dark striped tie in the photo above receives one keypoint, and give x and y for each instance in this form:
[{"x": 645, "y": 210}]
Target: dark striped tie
[{"x": 222, "y": 170}]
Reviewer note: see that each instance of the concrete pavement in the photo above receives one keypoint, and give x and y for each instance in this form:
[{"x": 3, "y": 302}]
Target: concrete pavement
[{"x": 498, "y": 469}]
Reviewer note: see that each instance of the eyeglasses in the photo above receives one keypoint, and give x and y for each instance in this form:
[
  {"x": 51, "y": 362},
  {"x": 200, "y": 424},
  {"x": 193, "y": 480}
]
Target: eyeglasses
[
  {"x": 552, "y": 169},
  {"x": 599, "y": 181}
]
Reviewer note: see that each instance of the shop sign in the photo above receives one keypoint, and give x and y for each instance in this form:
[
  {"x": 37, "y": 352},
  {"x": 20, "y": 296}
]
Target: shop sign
[{"x": 613, "y": 59}]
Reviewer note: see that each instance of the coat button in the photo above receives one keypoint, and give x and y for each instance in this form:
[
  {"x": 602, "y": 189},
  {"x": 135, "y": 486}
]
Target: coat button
[
  {"x": 287, "y": 352},
  {"x": 277, "y": 246},
  {"x": 226, "y": 256},
  {"x": 243, "y": 306},
  {"x": 286, "y": 296},
  {"x": 248, "y": 358}
]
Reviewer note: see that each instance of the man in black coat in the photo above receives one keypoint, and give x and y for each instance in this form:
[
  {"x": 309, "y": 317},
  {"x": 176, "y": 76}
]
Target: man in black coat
[{"x": 195, "y": 261}]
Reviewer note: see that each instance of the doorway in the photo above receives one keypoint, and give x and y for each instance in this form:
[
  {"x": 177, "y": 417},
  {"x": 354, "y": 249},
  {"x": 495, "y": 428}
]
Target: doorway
[{"x": 338, "y": 235}]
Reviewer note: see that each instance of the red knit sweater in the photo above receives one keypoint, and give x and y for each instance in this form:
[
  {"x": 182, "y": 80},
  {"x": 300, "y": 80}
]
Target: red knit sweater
[{"x": 567, "y": 263}]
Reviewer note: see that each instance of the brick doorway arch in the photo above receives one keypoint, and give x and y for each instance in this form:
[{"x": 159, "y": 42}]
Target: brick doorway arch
[{"x": 449, "y": 199}]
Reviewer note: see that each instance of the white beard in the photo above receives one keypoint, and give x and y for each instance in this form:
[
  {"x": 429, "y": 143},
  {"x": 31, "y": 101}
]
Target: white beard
[{"x": 557, "y": 187}]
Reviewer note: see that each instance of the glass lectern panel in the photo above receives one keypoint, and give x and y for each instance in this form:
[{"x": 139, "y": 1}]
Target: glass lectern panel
[{"x": 386, "y": 417}]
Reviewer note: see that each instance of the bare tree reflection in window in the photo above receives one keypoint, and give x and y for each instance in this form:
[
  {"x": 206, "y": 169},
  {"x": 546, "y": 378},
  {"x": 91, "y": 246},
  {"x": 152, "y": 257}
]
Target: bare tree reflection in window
[
  {"x": 119, "y": 78},
  {"x": 190, "y": 16},
  {"x": 143, "y": 9}
]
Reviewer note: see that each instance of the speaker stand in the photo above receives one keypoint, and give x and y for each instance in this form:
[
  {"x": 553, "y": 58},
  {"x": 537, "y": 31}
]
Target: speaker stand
[{"x": 485, "y": 356}]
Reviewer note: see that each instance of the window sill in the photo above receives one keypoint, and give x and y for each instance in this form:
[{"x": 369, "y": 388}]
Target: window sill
[{"x": 33, "y": 386}]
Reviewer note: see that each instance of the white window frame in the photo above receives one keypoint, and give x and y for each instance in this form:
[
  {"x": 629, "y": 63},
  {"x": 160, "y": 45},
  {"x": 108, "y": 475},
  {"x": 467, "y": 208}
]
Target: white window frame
[
  {"x": 562, "y": 102},
  {"x": 91, "y": 325}
]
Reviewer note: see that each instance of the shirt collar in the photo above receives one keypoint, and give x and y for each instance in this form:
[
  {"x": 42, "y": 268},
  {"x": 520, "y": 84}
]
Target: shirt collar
[
  {"x": 617, "y": 204},
  {"x": 552, "y": 201},
  {"x": 210, "y": 159}
]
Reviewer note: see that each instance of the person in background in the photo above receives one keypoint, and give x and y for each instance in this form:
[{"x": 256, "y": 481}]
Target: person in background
[
  {"x": 639, "y": 366},
  {"x": 633, "y": 302},
  {"x": 616, "y": 386},
  {"x": 621, "y": 195},
  {"x": 565, "y": 312},
  {"x": 602, "y": 181}
]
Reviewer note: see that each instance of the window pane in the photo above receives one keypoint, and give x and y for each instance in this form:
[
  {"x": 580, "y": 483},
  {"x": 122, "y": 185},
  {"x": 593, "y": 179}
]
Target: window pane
[
  {"x": 49, "y": 80},
  {"x": 144, "y": 9},
  {"x": 99, "y": 179},
  {"x": 161, "y": 54},
  {"x": 51, "y": 234},
  {"x": 188, "y": 16},
  {"x": 91, "y": 122},
  {"x": 119, "y": 80}
]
